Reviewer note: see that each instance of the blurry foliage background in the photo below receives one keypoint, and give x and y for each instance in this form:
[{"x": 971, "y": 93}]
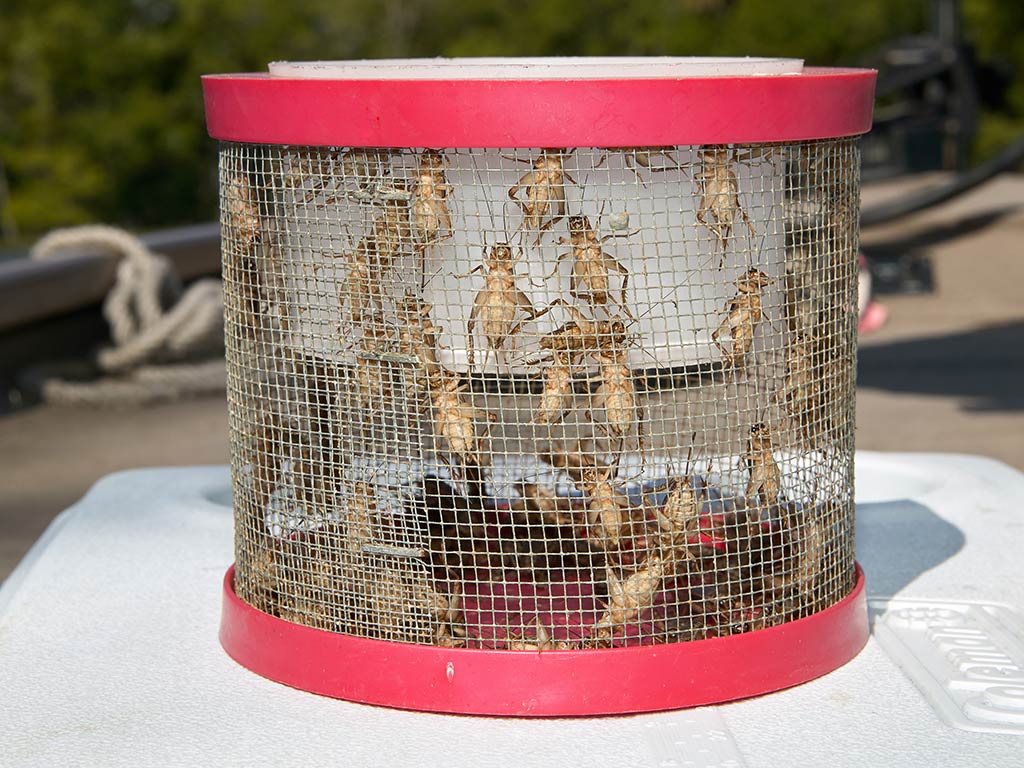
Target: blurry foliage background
[{"x": 101, "y": 113}]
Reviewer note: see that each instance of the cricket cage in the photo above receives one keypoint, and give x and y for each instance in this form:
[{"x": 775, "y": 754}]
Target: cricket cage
[{"x": 541, "y": 378}]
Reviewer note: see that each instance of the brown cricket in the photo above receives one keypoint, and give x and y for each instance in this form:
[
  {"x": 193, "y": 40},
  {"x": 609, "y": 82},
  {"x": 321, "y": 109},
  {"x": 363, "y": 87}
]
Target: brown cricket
[
  {"x": 807, "y": 545},
  {"x": 370, "y": 374},
  {"x": 765, "y": 481},
  {"x": 744, "y": 312},
  {"x": 592, "y": 267},
  {"x": 242, "y": 210},
  {"x": 391, "y": 233},
  {"x": 679, "y": 516},
  {"x": 581, "y": 334},
  {"x": 630, "y": 597},
  {"x": 308, "y": 165},
  {"x": 417, "y": 334},
  {"x": 243, "y": 233},
  {"x": 556, "y": 397},
  {"x": 801, "y": 392},
  {"x": 544, "y": 187},
  {"x": 834, "y": 383},
  {"x": 455, "y": 418},
  {"x": 446, "y": 612},
  {"x": 363, "y": 164},
  {"x": 809, "y": 542},
  {"x": 500, "y": 307},
  {"x": 608, "y": 511},
  {"x": 430, "y": 199},
  {"x": 388, "y": 593},
  {"x": 360, "y": 291},
  {"x": 802, "y": 306},
  {"x": 360, "y": 517},
  {"x": 616, "y": 394},
  {"x": 554, "y": 509},
  {"x": 320, "y": 171},
  {"x": 719, "y": 193}
]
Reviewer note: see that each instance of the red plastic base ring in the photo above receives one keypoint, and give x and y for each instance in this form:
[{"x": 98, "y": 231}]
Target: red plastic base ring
[{"x": 548, "y": 683}]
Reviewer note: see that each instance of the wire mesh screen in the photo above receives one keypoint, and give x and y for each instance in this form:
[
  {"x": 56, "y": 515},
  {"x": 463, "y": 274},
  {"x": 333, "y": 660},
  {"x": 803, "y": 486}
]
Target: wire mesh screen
[{"x": 542, "y": 399}]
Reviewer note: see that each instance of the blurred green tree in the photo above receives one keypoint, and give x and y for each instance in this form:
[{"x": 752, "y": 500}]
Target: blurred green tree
[{"x": 101, "y": 111}]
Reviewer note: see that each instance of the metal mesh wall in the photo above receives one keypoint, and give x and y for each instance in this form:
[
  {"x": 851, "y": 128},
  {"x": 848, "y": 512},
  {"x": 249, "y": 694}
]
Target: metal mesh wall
[{"x": 541, "y": 399}]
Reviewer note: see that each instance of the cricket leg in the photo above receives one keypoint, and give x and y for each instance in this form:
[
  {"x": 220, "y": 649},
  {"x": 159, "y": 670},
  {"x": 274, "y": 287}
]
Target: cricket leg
[
  {"x": 524, "y": 305},
  {"x": 558, "y": 199},
  {"x": 515, "y": 190},
  {"x": 746, "y": 218},
  {"x": 624, "y": 273},
  {"x": 471, "y": 272},
  {"x": 470, "y": 329},
  {"x": 715, "y": 334},
  {"x": 672, "y": 159},
  {"x": 558, "y": 261},
  {"x": 613, "y": 235},
  {"x": 640, "y": 445}
]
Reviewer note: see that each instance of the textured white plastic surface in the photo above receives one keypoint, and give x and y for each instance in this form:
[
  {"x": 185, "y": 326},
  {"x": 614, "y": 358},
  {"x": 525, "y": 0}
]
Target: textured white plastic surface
[
  {"x": 967, "y": 658},
  {"x": 109, "y": 657},
  {"x": 541, "y": 68}
]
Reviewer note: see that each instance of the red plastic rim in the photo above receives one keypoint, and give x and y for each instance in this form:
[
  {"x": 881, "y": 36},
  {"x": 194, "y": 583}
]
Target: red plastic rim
[
  {"x": 549, "y": 683},
  {"x": 816, "y": 104}
]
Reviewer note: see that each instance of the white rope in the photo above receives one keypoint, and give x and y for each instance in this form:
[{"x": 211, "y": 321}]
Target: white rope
[
  {"x": 148, "y": 384},
  {"x": 157, "y": 329}
]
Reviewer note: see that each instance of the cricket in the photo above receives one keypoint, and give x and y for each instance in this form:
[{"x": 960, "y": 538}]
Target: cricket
[
  {"x": 592, "y": 267},
  {"x": 643, "y": 157},
  {"x": 391, "y": 233},
  {"x": 719, "y": 193},
  {"x": 500, "y": 306},
  {"x": 629, "y": 597},
  {"x": 617, "y": 396},
  {"x": 417, "y": 334},
  {"x": 455, "y": 419},
  {"x": 430, "y": 199},
  {"x": 544, "y": 191},
  {"x": 242, "y": 210},
  {"x": 765, "y": 483},
  {"x": 744, "y": 312},
  {"x": 801, "y": 389},
  {"x": 446, "y": 611},
  {"x": 582, "y": 334},
  {"x": 360, "y": 291},
  {"x": 679, "y": 516},
  {"x": 541, "y": 640},
  {"x": 556, "y": 396}
]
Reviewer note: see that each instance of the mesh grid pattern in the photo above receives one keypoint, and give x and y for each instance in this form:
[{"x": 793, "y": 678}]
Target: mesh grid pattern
[{"x": 541, "y": 399}]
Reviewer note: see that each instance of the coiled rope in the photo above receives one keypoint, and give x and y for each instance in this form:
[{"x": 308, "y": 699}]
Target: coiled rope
[{"x": 168, "y": 343}]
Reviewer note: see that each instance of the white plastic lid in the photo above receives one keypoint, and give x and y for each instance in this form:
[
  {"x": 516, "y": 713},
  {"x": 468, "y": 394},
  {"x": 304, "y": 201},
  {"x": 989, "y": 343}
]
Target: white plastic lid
[{"x": 549, "y": 68}]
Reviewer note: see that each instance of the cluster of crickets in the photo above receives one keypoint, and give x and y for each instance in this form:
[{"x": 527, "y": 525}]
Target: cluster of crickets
[{"x": 414, "y": 216}]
